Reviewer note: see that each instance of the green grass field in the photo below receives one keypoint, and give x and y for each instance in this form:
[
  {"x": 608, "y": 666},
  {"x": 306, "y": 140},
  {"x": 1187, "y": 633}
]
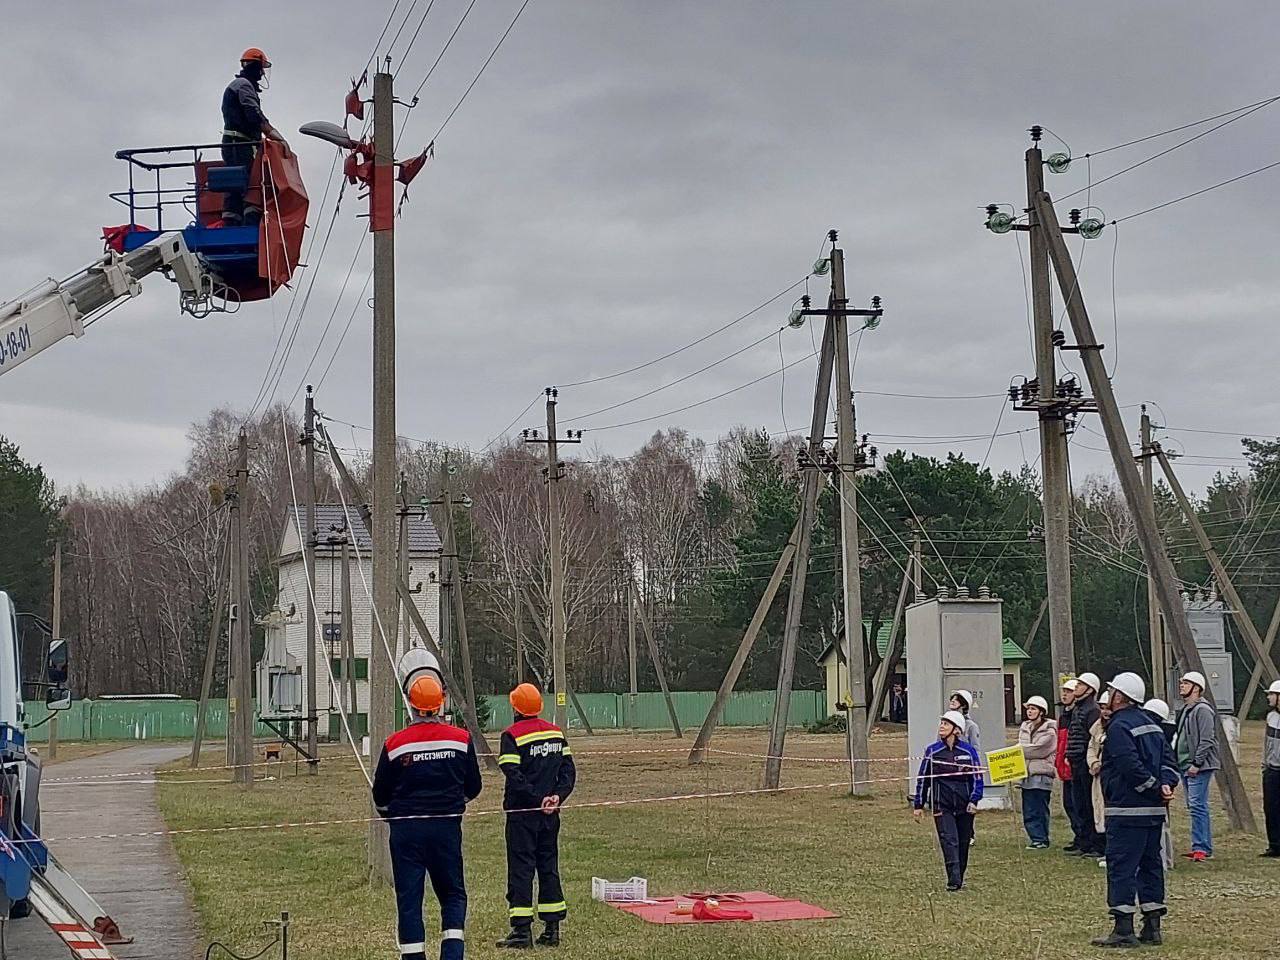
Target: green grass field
[{"x": 864, "y": 859}]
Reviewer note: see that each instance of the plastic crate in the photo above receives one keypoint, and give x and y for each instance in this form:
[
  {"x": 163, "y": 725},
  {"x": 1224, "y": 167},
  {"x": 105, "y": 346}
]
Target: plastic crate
[{"x": 637, "y": 888}]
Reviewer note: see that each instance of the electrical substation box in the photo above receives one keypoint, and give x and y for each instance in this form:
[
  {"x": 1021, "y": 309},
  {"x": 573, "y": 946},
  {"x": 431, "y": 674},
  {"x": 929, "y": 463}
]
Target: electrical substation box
[
  {"x": 955, "y": 642},
  {"x": 1207, "y": 618}
]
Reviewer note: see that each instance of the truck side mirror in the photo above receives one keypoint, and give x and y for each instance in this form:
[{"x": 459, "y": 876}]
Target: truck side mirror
[
  {"x": 58, "y": 662},
  {"x": 57, "y": 698}
]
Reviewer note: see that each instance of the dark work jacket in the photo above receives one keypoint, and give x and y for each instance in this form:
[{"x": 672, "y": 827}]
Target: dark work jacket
[
  {"x": 949, "y": 778},
  {"x": 428, "y": 768},
  {"x": 1084, "y": 713},
  {"x": 242, "y": 108},
  {"x": 537, "y": 762},
  {"x": 1137, "y": 761}
]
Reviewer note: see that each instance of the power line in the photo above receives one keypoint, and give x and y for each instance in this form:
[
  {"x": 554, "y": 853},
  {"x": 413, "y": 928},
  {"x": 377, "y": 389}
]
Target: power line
[
  {"x": 443, "y": 51},
  {"x": 1224, "y": 183},
  {"x": 1179, "y": 129}
]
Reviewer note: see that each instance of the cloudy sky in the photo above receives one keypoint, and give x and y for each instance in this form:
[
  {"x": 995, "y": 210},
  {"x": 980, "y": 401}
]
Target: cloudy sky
[{"x": 627, "y": 177}]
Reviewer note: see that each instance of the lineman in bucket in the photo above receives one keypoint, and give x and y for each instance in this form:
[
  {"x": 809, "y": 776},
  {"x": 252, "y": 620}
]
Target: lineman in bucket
[
  {"x": 1138, "y": 777},
  {"x": 538, "y": 765},
  {"x": 426, "y": 774}
]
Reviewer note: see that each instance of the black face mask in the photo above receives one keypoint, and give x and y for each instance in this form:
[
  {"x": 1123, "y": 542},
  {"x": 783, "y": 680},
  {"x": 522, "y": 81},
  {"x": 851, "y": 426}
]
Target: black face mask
[{"x": 251, "y": 70}]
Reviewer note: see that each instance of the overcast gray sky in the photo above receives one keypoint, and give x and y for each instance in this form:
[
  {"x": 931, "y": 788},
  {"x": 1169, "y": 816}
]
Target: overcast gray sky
[{"x": 628, "y": 176}]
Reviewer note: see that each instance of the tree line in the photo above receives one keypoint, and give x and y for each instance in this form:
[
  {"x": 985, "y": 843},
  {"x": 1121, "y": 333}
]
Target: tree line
[{"x": 693, "y": 527}]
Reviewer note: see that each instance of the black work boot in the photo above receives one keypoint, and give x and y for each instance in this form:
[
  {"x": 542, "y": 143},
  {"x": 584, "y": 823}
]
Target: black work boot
[
  {"x": 518, "y": 939},
  {"x": 1121, "y": 934},
  {"x": 1151, "y": 929},
  {"x": 550, "y": 936}
]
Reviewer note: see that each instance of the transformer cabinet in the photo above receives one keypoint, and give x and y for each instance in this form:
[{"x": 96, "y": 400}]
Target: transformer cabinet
[{"x": 955, "y": 641}]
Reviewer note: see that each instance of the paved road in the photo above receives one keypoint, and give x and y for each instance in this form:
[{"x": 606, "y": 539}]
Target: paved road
[{"x": 136, "y": 880}]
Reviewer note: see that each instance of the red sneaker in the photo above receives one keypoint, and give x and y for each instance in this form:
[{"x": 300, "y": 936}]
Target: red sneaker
[{"x": 1197, "y": 856}]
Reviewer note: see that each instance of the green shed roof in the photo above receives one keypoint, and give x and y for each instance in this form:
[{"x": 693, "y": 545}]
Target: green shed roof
[{"x": 1010, "y": 650}]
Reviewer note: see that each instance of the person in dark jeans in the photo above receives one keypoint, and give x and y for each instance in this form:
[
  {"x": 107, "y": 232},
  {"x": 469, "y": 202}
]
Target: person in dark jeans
[
  {"x": 949, "y": 783},
  {"x": 1086, "y": 713},
  {"x": 1062, "y": 767},
  {"x": 1271, "y": 772},
  {"x": 243, "y": 127},
  {"x": 1038, "y": 737}
]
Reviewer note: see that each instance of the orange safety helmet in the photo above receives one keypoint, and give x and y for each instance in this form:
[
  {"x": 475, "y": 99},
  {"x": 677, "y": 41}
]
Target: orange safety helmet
[
  {"x": 255, "y": 53},
  {"x": 526, "y": 700},
  {"x": 426, "y": 695}
]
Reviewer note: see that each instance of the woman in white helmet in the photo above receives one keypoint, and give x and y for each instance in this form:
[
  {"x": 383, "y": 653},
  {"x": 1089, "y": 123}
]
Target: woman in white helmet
[
  {"x": 949, "y": 784},
  {"x": 1271, "y": 772},
  {"x": 1163, "y": 713},
  {"x": 1038, "y": 737}
]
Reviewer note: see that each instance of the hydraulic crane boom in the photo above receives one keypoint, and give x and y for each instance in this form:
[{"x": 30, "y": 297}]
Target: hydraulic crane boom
[{"x": 56, "y": 309}]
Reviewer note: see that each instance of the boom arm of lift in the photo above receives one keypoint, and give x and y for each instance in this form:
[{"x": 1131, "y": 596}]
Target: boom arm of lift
[{"x": 57, "y": 309}]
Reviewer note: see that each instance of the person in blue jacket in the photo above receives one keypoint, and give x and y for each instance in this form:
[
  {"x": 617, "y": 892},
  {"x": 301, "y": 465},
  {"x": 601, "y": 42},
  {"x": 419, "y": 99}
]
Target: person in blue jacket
[
  {"x": 1139, "y": 773},
  {"x": 949, "y": 784}
]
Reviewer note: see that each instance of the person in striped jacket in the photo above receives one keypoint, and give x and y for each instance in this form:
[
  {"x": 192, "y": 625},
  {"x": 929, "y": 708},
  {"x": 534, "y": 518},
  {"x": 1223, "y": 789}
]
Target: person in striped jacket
[{"x": 949, "y": 784}]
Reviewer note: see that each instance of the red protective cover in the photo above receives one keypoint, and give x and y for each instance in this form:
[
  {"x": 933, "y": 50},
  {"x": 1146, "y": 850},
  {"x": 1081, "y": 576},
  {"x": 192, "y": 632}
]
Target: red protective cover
[
  {"x": 1060, "y": 759},
  {"x": 284, "y": 217},
  {"x": 761, "y": 906}
]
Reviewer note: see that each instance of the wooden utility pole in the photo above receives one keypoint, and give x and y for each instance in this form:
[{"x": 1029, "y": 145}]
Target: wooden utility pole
[
  {"x": 402, "y": 564},
  {"x": 382, "y": 524},
  {"x": 1053, "y": 437},
  {"x": 800, "y": 567},
  {"x": 51, "y": 748},
  {"x": 211, "y": 650},
  {"x": 555, "y": 550},
  {"x": 634, "y": 689},
  {"x": 851, "y": 560},
  {"x": 725, "y": 690},
  {"x": 242, "y": 663},
  {"x": 455, "y": 591},
  {"x": 308, "y": 537},
  {"x": 1155, "y": 630},
  {"x": 1239, "y": 811},
  {"x": 546, "y": 641},
  {"x": 348, "y": 702},
  {"x": 1243, "y": 620},
  {"x": 1255, "y": 678},
  {"x": 656, "y": 657}
]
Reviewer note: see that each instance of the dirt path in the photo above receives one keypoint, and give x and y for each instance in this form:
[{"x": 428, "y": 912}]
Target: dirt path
[{"x": 136, "y": 880}]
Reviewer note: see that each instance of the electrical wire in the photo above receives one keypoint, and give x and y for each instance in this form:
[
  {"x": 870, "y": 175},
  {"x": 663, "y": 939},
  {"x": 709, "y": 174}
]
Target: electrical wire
[
  {"x": 443, "y": 51},
  {"x": 1189, "y": 196},
  {"x": 1179, "y": 129}
]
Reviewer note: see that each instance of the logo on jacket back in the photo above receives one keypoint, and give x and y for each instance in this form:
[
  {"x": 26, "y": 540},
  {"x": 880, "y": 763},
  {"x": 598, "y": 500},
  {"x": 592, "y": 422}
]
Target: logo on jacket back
[{"x": 545, "y": 748}]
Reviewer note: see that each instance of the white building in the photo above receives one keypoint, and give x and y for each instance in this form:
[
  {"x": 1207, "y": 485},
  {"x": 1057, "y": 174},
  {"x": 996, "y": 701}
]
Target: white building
[{"x": 331, "y": 532}]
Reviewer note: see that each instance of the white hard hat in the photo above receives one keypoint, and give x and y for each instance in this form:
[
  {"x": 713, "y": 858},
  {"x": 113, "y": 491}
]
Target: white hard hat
[
  {"x": 955, "y": 718},
  {"x": 1090, "y": 680},
  {"x": 964, "y": 695},
  {"x": 1105, "y": 697},
  {"x": 1038, "y": 701},
  {"x": 1159, "y": 708},
  {"x": 1069, "y": 683},
  {"x": 1131, "y": 685},
  {"x": 1196, "y": 677},
  {"x": 1274, "y": 688}
]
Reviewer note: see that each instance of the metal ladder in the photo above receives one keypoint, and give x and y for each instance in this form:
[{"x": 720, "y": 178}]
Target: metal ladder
[{"x": 71, "y": 913}]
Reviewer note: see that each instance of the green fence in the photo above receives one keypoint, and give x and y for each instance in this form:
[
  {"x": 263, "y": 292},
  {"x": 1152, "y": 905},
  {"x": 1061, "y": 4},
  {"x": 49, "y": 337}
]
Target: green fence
[{"x": 176, "y": 719}]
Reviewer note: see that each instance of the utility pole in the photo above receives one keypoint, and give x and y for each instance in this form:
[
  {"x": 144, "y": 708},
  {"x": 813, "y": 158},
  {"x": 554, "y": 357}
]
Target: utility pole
[
  {"x": 555, "y": 473},
  {"x": 1155, "y": 630},
  {"x": 455, "y": 587},
  {"x": 242, "y": 665},
  {"x": 851, "y": 560},
  {"x": 347, "y": 699},
  {"x": 634, "y": 694},
  {"x": 382, "y": 527},
  {"x": 1238, "y": 610},
  {"x": 56, "y": 624},
  {"x": 1239, "y": 810},
  {"x": 1052, "y": 417},
  {"x": 656, "y": 656},
  {"x": 211, "y": 650},
  {"x": 517, "y": 614},
  {"x": 309, "y": 552},
  {"x": 402, "y": 564}
]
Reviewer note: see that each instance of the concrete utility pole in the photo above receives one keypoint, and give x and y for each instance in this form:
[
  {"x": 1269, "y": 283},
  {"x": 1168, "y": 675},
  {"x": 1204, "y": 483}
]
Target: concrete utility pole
[
  {"x": 633, "y": 695},
  {"x": 555, "y": 535},
  {"x": 382, "y": 526},
  {"x": 402, "y": 564},
  {"x": 850, "y": 552},
  {"x": 455, "y": 589},
  {"x": 656, "y": 657},
  {"x": 51, "y": 748},
  {"x": 242, "y": 662},
  {"x": 211, "y": 650},
  {"x": 1053, "y": 436},
  {"x": 800, "y": 567},
  {"x": 347, "y": 699},
  {"x": 1255, "y": 679},
  {"x": 1155, "y": 629},
  {"x": 1238, "y": 610},
  {"x": 308, "y": 537},
  {"x": 1239, "y": 811}
]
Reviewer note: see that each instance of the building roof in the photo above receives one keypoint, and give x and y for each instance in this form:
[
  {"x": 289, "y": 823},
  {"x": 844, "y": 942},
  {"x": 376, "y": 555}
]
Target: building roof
[
  {"x": 332, "y": 517},
  {"x": 1010, "y": 650}
]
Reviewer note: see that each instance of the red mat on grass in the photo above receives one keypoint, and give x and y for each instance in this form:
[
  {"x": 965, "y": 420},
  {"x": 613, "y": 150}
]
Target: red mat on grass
[{"x": 763, "y": 906}]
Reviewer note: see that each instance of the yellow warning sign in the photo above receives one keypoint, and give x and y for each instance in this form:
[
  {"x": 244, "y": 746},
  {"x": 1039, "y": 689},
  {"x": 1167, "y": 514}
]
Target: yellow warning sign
[
  {"x": 1007, "y": 765},
  {"x": 560, "y": 699}
]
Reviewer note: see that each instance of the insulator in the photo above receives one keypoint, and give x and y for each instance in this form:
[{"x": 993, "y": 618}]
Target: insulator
[
  {"x": 1059, "y": 338},
  {"x": 999, "y": 222},
  {"x": 1058, "y": 162},
  {"x": 1091, "y": 229},
  {"x": 1035, "y": 131},
  {"x": 1013, "y": 393},
  {"x": 822, "y": 266},
  {"x": 1075, "y": 216},
  {"x": 1033, "y": 385}
]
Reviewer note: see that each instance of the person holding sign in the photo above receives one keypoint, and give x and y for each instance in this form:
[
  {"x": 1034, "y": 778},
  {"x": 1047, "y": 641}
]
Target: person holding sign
[
  {"x": 1038, "y": 737},
  {"x": 949, "y": 782},
  {"x": 1138, "y": 776}
]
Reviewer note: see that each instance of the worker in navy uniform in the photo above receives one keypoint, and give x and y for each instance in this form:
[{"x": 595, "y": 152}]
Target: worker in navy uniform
[
  {"x": 538, "y": 764},
  {"x": 426, "y": 774},
  {"x": 949, "y": 783},
  {"x": 243, "y": 127},
  {"x": 1139, "y": 773}
]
